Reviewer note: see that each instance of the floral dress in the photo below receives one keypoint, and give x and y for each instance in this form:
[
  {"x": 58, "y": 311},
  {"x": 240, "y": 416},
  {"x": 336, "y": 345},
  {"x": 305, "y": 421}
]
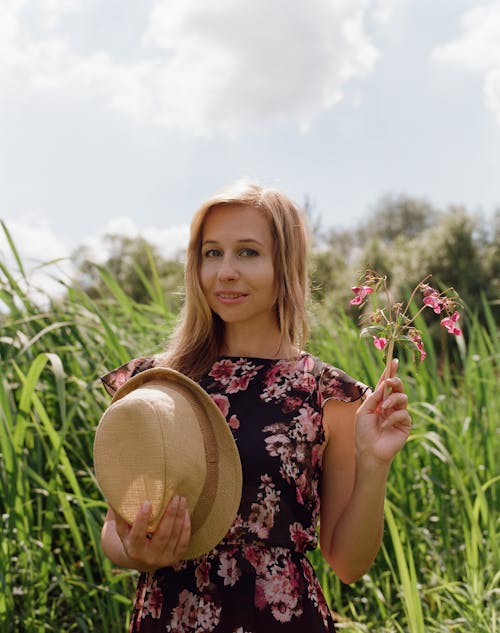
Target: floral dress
[{"x": 258, "y": 579}]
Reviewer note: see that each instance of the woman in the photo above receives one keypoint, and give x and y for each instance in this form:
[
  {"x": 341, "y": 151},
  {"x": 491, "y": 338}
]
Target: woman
[{"x": 314, "y": 443}]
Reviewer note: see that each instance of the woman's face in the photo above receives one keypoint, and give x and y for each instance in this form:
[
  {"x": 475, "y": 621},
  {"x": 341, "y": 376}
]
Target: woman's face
[{"x": 237, "y": 265}]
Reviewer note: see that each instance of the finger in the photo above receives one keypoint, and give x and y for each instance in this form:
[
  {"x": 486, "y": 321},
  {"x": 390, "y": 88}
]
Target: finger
[
  {"x": 373, "y": 401},
  {"x": 394, "y": 367},
  {"x": 176, "y": 521},
  {"x": 391, "y": 373},
  {"x": 395, "y": 384},
  {"x": 399, "y": 419},
  {"x": 396, "y": 400},
  {"x": 139, "y": 529},
  {"x": 164, "y": 529},
  {"x": 184, "y": 536}
]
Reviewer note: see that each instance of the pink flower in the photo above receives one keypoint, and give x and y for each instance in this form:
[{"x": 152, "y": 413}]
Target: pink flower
[
  {"x": 450, "y": 324},
  {"x": 434, "y": 302},
  {"x": 379, "y": 343},
  {"x": 361, "y": 292},
  {"x": 420, "y": 346}
]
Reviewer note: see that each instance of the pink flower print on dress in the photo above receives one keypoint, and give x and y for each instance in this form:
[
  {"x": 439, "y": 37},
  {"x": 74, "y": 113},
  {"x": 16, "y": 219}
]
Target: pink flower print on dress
[
  {"x": 233, "y": 422},
  {"x": 450, "y": 324},
  {"x": 154, "y": 602},
  {"x": 335, "y": 390},
  {"x": 307, "y": 363},
  {"x": 316, "y": 454},
  {"x": 222, "y": 402},
  {"x": 202, "y": 575},
  {"x": 309, "y": 422},
  {"x": 291, "y": 403},
  {"x": 304, "y": 382},
  {"x": 281, "y": 590},
  {"x": 254, "y": 555},
  {"x": 361, "y": 292},
  {"x": 193, "y": 614},
  {"x": 228, "y": 569},
  {"x": 300, "y": 537},
  {"x": 315, "y": 592},
  {"x": 238, "y": 383},
  {"x": 261, "y": 518},
  {"x": 278, "y": 445},
  {"x": 223, "y": 371},
  {"x": 260, "y": 596}
]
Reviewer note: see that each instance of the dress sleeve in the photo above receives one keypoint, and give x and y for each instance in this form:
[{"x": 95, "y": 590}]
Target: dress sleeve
[
  {"x": 335, "y": 383},
  {"x": 119, "y": 376}
]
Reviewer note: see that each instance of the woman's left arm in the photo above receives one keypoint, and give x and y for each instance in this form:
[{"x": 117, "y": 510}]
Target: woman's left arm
[{"x": 362, "y": 442}]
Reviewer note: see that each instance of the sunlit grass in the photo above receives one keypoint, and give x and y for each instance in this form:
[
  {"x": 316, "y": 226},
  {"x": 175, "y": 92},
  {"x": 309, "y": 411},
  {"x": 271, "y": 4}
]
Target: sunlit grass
[{"x": 439, "y": 566}]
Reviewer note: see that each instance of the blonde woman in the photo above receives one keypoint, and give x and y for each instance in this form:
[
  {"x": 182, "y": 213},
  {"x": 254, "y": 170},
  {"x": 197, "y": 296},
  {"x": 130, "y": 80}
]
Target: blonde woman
[{"x": 315, "y": 444}]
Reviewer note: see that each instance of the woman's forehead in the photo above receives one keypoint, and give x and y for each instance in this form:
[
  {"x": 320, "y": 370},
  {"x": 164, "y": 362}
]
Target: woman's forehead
[{"x": 237, "y": 222}]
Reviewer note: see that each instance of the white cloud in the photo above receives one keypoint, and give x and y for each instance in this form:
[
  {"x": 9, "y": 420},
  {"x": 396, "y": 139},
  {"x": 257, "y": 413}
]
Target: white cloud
[
  {"x": 202, "y": 66},
  {"x": 37, "y": 244},
  {"x": 169, "y": 241},
  {"x": 34, "y": 240},
  {"x": 383, "y": 10},
  {"x": 478, "y": 49}
]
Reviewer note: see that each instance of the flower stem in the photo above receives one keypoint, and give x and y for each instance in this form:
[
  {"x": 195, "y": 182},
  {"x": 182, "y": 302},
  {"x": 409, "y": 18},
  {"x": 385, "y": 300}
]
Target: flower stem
[{"x": 388, "y": 363}]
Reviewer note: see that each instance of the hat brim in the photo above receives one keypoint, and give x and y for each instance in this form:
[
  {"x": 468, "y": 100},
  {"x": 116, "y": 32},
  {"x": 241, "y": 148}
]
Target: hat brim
[{"x": 227, "y": 497}]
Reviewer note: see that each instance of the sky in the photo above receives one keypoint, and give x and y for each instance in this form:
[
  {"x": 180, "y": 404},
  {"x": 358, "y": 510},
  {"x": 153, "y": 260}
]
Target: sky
[{"x": 118, "y": 116}]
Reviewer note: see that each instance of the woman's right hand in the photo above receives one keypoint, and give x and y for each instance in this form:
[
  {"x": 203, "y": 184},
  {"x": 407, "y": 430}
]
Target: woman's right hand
[{"x": 166, "y": 545}]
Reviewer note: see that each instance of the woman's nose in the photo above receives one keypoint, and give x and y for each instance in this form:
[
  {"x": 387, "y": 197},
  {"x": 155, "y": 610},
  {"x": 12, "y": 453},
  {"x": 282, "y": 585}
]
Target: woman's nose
[{"x": 228, "y": 270}]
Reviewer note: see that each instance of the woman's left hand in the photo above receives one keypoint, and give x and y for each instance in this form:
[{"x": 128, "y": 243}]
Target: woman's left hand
[{"x": 383, "y": 425}]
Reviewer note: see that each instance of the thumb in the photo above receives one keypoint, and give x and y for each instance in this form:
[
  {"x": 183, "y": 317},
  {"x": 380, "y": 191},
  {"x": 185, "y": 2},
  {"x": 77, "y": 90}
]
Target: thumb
[
  {"x": 374, "y": 400},
  {"x": 122, "y": 527}
]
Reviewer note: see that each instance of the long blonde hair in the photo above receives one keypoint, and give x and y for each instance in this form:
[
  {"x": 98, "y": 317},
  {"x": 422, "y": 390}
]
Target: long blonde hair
[{"x": 196, "y": 341}]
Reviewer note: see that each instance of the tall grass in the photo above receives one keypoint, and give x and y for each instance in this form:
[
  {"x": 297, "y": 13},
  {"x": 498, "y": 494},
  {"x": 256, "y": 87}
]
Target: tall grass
[{"x": 438, "y": 569}]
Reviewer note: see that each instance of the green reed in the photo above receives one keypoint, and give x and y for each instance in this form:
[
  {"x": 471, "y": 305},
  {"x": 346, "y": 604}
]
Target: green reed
[{"x": 438, "y": 567}]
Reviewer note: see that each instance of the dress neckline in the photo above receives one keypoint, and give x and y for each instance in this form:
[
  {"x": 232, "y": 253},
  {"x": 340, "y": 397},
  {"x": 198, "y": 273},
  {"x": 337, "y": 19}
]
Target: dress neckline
[{"x": 261, "y": 359}]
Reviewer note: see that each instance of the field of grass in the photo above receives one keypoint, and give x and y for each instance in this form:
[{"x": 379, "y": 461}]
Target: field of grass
[{"x": 438, "y": 570}]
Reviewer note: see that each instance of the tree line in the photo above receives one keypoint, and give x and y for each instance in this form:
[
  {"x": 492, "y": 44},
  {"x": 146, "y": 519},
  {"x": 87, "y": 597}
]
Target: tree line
[{"x": 403, "y": 237}]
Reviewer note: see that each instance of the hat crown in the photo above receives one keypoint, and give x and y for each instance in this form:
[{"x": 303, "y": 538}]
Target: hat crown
[{"x": 162, "y": 436}]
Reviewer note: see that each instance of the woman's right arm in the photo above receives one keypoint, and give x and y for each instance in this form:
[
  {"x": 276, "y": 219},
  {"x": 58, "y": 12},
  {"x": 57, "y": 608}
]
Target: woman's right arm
[{"x": 132, "y": 547}]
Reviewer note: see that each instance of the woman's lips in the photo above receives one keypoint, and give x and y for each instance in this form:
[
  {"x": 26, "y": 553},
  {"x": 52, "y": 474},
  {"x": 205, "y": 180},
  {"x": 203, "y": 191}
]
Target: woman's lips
[{"x": 230, "y": 297}]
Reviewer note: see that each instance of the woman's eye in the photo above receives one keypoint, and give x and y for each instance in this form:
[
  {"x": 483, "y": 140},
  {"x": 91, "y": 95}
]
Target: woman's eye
[
  {"x": 248, "y": 252},
  {"x": 213, "y": 252}
]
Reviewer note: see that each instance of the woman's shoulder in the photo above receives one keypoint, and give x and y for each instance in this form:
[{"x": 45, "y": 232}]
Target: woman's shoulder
[{"x": 115, "y": 378}]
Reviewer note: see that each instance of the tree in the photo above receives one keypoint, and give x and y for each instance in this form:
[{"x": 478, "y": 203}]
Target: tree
[
  {"x": 396, "y": 216},
  {"x": 127, "y": 259}
]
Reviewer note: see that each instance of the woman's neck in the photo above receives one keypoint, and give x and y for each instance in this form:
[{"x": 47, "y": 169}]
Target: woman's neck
[{"x": 265, "y": 344}]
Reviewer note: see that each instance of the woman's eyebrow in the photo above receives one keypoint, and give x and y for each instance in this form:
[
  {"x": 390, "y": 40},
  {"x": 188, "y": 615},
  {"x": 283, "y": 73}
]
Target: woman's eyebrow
[{"x": 249, "y": 240}]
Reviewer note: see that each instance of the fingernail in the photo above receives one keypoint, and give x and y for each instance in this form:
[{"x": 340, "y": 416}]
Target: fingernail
[{"x": 146, "y": 507}]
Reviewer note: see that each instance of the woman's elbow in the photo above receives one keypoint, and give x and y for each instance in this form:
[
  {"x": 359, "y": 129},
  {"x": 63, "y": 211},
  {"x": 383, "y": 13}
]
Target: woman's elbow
[{"x": 344, "y": 572}]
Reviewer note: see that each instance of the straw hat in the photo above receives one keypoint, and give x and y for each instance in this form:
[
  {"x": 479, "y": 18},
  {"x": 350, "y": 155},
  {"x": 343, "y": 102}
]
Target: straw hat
[{"x": 162, "y": 436}]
